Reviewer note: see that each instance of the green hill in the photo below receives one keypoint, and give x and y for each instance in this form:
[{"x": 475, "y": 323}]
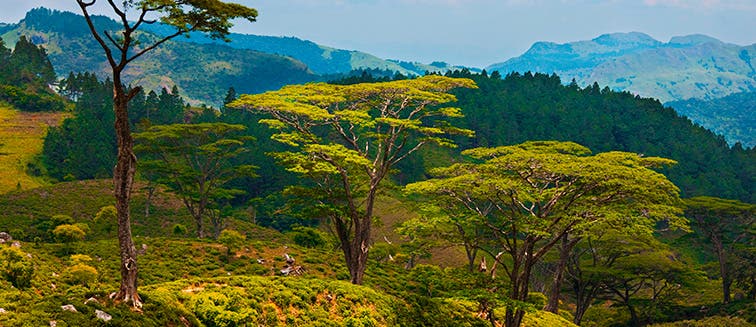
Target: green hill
[
  {"x": 190, "y": 282},
  {"x": 322, "y": 60},
  {"x": 733, "y": 116},
  {"x": 71, "y": 48},
  {"x": 693, "y": 66},
  {"x": 526, "y": 107}
]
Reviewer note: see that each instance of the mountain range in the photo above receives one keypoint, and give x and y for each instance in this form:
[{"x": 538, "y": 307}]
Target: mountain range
[
  {"x": 687, "y": 67},
  {"x": 693, "y": 66},
  {"x": 249, "y": 63}
]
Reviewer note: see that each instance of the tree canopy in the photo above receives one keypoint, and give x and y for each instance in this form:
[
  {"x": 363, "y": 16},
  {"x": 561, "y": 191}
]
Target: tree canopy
[
  {"x": 347, "y": 138},
  {"x": 528, "y": 196}
]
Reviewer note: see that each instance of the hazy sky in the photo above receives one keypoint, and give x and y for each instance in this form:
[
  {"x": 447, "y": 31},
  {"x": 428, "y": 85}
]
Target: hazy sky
[{"x": 472, "y": 32}]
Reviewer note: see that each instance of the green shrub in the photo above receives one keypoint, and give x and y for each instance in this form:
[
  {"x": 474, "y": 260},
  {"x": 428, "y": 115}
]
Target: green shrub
[
  {"x": 58, "y": 220},
  {"x": 80, "y": 274},
  {"x": 16, "y": 266},
  {"x": 231, "y": 239},
  {"x": 179, "y": 229},
  {"x": 308, "y": 237},
  {"x": 708, "y": 322},
  {"x": 537, "y": 299},
  {"x": 68, "y": 233},
  {"x": 106, "y": 219}
]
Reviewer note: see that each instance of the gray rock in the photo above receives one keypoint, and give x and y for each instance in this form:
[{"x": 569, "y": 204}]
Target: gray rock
[
  {"x": 5, "y": 237},
  {"x": 2, "y": 311},
  {"x": 103, "y": 316},
  {"x": 69, "y": 307}
]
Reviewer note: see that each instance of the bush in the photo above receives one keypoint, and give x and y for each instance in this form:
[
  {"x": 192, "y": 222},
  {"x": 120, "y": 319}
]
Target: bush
[
  {"x": 80, "y": 274},
  {"x": 308, "y": 237},
  {"x": 231, "y": 239},
  {"x": 179, "y": 229},
  {"x": 68, "y": 233},
  {"x": 58, "y": 220},
  {"x": 707, "y": 322},
  {"x": 16, "y": 267},
  {"x": 26, "y": 101}
]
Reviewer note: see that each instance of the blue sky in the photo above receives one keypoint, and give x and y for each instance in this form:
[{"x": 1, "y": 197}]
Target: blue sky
[{"x": 473, "y": 32}]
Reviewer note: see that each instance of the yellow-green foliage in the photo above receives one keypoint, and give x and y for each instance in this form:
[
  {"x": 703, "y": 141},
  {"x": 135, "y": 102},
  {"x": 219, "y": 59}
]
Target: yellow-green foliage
[
  {"x": 708, "y": 322},
  {"x": 545, "y": 319},
  {"x": 21, "y": 138},
  {"x": 80, "y": 274},
  {"x": 247, "y": 300},
  {"x": 68, "y": 233},
  {"x": 231, "y": 239},
  {"x": 16, "y": 266}
]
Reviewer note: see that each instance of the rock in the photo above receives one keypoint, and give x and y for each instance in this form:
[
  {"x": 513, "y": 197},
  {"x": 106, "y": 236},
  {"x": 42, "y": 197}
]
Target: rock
[
  {"x": 2, "y": 311},
  {"x": 69, "y": 307},
  {"x": 16, "y": 244},
  {"x": 142, "y": 250},
  {"x": 5, "y": 237},
  {"x": 90, "y": 300},
  {"x": 53, "y": 323},
  {"x": 103, "y": 316}
]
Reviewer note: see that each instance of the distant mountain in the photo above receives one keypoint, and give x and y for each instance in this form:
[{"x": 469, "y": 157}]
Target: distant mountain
[
  {"x": 203, "y": 72},
  {"x": 733, "y": 116},
  {"x": 694, "y": 66},
  {"x": 322, "y": 60}
]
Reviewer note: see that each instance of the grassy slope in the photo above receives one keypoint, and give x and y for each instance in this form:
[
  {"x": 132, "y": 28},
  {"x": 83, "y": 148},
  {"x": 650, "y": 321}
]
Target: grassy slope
[
  {"x": 185, "y": 281},
  {"x": 21, "y": 138}
]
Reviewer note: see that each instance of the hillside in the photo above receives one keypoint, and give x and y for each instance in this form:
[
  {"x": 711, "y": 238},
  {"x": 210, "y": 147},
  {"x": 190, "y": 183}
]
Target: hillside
[
  {"x": 733, "y": 116},
  {"x": 71, "y": 48},
  {"x": 320, "y": 59},
  {"x": 249, "y": 63},
  {"x": 190, "y": 282},
  {"x": 693, "y": 66},
  {"x": 525, "y": 107},
  {"x": 21, "y": 138}
]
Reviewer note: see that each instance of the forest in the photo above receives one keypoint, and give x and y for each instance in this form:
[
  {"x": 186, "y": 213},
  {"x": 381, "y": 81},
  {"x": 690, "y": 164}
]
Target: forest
[{"x": 373, "y": 199}]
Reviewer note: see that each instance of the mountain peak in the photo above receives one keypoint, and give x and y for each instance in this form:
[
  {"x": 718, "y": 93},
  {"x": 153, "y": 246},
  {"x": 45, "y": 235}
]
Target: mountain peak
[
  {"x": 634, "y": 38},
  {"x": 693, "y": 39}
]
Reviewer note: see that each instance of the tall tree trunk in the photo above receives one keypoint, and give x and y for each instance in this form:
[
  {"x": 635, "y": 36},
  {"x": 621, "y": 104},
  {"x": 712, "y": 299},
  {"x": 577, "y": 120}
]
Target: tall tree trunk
[
  {"x": 148, "y": 202},
  {"x": 520, "y": 279},
  {"x": 634, "y": 320},
  {"x": 724, "y": 271},
  {"x": 123, "y": 180},
  {"x": 556, "y": 286}
]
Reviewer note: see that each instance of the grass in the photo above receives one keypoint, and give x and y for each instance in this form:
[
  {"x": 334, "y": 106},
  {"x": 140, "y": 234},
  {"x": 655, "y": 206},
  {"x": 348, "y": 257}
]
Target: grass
[{"x": 21, "y": 139}]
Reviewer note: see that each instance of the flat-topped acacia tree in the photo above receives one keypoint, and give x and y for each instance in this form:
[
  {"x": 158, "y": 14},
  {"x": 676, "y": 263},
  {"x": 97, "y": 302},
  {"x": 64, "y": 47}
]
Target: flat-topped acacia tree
[
  {"x": 123, "y": 46},
  {"x": 529, "y": 197},
  {"x": 347, "y": 138}
]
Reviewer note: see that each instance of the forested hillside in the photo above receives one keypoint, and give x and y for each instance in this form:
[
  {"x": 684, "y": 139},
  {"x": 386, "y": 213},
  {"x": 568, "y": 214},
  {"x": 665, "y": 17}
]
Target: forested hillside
[
  {"x": 733, "y": 116},
  {"x": 320, "y": 59},
  {"x": 71, "y": 49},
  {"x": 523, "y": 107}
]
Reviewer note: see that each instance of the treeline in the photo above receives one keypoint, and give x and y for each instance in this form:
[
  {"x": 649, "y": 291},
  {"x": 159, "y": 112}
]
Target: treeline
[
  {"x": 523, "y": 107},
  {"x": 25, "y": 77},
  {"x": 68, "y": 149},
  {"x": 503, "y": 111}
]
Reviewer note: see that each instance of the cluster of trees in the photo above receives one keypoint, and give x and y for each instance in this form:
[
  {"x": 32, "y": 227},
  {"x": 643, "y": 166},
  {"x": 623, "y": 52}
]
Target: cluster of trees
[
  {"x": 26, "y": 75},
  {"x": 514, "y": 203},
  {"x": 523, "y": 107},
  {"x": 537, "y": 206},
  {"x": 68, "y": 148}
]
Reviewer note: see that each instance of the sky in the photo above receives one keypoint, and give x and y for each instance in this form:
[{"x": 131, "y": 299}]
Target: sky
[{"x": 474, "y": 33}]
